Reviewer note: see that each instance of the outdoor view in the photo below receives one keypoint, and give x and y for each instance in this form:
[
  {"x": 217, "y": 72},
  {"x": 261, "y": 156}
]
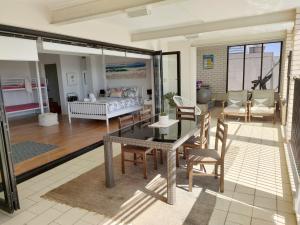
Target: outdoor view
[{"x": 254, "y": 66}]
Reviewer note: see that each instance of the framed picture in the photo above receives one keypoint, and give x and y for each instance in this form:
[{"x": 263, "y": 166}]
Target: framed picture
[
  {"x": 72, "y": 79},
  {"x": 126, "y": 70},
  {"x": 208, "y": 61}
]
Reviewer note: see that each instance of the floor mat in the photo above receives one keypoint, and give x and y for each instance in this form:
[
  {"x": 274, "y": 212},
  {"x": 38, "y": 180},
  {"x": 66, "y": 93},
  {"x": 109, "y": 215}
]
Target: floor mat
[
  {"x": 29, "y": 149},
  {"x": 135, "y": 200}
]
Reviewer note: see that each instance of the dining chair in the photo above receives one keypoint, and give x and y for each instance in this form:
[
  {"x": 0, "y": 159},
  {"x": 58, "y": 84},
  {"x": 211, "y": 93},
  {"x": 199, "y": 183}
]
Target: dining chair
[
  {"x": 200, "y": 141},
  {"x": 145, "y": 116},
  {"x": 210, "y": 156},
  {"x": 139, "y": 153},
  {"x": 185, "y": 113}
]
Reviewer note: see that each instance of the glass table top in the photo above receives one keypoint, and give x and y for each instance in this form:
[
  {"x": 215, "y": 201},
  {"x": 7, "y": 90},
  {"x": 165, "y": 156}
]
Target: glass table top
[{"x": 171, "y": 134}]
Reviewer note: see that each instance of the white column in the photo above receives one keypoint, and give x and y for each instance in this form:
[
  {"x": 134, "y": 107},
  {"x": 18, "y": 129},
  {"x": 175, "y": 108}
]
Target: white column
[
  {"x": 295, "y": 72},
  {"x": 288, "y": 46},
  {"x": 39, "y": 87}
]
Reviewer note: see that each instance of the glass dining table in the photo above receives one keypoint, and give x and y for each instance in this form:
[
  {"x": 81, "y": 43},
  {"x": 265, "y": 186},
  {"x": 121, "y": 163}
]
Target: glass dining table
[{"x": 141, "y": 134}]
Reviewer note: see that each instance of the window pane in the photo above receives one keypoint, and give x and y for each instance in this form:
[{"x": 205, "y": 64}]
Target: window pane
[
  {"x": 271, "y": 65},
  {"x": 235, "y": 68},
  {"x": 252, "y": 66}
]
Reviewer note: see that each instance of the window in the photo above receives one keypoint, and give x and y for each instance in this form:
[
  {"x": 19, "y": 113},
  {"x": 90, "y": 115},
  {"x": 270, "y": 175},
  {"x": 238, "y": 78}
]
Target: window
[{"x": 255, "y": 66}]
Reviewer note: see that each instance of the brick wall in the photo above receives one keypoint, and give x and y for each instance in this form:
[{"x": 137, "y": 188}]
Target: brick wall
[
  {"x": 215, "y": 77},
  {"x": 295, "y": 71}
]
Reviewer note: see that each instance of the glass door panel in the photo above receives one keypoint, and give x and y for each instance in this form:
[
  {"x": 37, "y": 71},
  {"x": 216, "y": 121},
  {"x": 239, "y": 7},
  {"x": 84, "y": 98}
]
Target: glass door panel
[
  {"x": 235, "y": 67},
  {"x": 271, "y": 66},
  {"x": 252, "y": 66},
  {"x": 157, "y": 73},
  {"x": 171, "y": 79},
  {"x": 8, "y": 189}
]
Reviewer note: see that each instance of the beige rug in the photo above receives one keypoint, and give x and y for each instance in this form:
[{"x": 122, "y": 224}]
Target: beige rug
[{"x": 135, "y": 200}]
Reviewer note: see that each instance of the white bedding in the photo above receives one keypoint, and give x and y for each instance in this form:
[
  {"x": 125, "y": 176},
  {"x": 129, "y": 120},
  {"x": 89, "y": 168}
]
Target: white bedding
[{"x": 115, "y": 104}]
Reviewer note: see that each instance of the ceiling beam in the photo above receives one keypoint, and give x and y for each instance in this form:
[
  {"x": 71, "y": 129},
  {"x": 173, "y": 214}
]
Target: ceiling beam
[
  {"x": 241, "y": 39},
  {"x": 93, "y": 9},
  {"x": 270, "y": 18}
]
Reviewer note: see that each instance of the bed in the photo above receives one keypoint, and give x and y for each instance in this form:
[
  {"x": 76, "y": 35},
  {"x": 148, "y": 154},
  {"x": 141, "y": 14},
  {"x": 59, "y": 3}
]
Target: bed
[{"x": 105, "y": 108}]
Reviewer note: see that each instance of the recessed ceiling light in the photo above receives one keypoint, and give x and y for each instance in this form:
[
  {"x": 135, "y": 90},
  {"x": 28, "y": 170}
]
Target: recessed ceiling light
[
  {"x": 138, "y": 11},
  {"x": 191, "y": 36}
]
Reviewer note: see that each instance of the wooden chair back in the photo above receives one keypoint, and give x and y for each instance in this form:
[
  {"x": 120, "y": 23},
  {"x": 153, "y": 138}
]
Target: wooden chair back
[
  {"x": 221, "y": 136},
  {"x": 126, "y": 121},
  {"x": 185, "y": 113},
  {"x": 145, "y": 114},
  {"x": 204, "y": 131}
]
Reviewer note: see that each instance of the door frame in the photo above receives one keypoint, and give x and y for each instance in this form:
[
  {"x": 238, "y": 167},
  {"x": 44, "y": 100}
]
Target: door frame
[
  {"x": 177, "y": 53},
  {"x": 11, "y": 201}
]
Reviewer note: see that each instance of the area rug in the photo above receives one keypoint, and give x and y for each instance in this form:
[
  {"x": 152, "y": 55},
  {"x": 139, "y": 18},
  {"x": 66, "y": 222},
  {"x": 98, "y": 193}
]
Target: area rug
[
  {"x": 135, "y": 200},
  {"x": 29, "y": 149}
]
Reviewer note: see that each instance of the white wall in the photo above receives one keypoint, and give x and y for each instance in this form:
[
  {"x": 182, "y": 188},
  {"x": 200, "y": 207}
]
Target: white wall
[
  {"x": 216, "y": 77},
  {"x": 70, "y": 64}
]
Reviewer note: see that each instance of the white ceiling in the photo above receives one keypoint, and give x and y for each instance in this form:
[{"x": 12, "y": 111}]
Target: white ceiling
[{"x": 178, "y": 13}]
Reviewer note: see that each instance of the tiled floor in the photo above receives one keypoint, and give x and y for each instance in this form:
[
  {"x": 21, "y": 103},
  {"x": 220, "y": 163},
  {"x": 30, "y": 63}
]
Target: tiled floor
[{"x": 257, "y": 189}]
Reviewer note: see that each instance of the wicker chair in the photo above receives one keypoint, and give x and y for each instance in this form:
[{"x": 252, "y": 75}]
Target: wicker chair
[
  {"x": 139, "y": 153},
  {"x": 210, "y": 156}
]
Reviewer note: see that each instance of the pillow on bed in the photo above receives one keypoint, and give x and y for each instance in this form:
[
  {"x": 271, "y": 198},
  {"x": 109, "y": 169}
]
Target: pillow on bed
[
  {"x": 130, "y": 92},
  {"x": 116, "y": 92}
]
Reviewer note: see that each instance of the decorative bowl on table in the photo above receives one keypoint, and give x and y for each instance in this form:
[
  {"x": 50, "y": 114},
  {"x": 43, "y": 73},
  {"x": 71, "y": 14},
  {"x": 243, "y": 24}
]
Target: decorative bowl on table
[{"x": 163, "y": 119}]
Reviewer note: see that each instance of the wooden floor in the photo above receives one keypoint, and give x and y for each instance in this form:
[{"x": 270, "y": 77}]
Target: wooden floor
[{"x": 68, "y": 137}]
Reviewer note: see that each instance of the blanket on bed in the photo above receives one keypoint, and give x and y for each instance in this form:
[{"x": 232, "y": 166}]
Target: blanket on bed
[{"x": 115, "y": 104}]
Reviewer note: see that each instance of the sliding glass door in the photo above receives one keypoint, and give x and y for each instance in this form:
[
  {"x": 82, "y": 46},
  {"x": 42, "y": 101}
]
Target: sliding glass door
[
  {"x": 166, "y": 80},
  {"x": 8, "y": 189},
  {"x": 254, "y": 66}
]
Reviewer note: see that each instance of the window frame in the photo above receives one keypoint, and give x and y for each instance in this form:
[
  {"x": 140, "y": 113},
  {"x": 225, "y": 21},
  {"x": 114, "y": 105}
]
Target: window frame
[{"x": 261, "y": 65}]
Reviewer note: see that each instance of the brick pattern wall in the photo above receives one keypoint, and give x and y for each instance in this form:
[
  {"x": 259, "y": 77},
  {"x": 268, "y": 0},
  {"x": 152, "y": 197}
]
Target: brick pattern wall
[
  {"x": 295, "y": 71},
  {"x": 215, "y": 77}
]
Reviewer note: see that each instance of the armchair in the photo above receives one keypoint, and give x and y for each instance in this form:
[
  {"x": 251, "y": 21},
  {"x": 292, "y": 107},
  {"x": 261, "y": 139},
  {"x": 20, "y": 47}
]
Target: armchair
[
  {"x": 236, "y": 104},
  {"x": 263, "y": 104}
]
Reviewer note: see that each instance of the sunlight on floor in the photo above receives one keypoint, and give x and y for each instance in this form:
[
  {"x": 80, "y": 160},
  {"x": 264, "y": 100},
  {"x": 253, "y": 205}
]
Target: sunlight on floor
[{"x": 257, "y": 187}]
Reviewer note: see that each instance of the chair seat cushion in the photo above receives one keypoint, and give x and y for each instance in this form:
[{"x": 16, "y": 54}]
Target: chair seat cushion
[
  {"x": 204, "y": 155},
  {"x": 232, "y": 109},
  {"x": 262, "y": 110}
]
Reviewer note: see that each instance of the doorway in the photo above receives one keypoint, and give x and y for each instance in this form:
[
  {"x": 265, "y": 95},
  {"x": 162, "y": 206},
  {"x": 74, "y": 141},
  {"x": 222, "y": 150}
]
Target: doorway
[{"x": 53, "y": 88}]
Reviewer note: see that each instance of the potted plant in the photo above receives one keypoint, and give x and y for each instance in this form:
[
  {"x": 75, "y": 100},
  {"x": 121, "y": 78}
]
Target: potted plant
[
  {"x": 169, "y": 97},
  {"x": 163, "y": 118}
]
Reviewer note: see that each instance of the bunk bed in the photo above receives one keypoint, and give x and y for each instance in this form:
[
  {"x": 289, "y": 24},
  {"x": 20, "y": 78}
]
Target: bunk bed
[{"x": 21, "y": 95}]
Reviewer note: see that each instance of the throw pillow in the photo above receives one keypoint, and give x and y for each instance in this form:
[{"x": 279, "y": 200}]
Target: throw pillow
[
  {"x": 261, "y": 102},
  {"x": 234, "y": 103}
]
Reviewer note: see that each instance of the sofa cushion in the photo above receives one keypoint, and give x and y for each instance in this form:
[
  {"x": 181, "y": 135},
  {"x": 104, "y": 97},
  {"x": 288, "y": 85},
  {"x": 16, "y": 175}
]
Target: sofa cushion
[
  {"x": 264, "y": 94},
  {"x": 261, "y": 102},
  {"x": 237, "y": 97},
  {"x": 235, "y": 103},
  {"x": 234, "y": 110},
  {"x": 262, "y": 110}
]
